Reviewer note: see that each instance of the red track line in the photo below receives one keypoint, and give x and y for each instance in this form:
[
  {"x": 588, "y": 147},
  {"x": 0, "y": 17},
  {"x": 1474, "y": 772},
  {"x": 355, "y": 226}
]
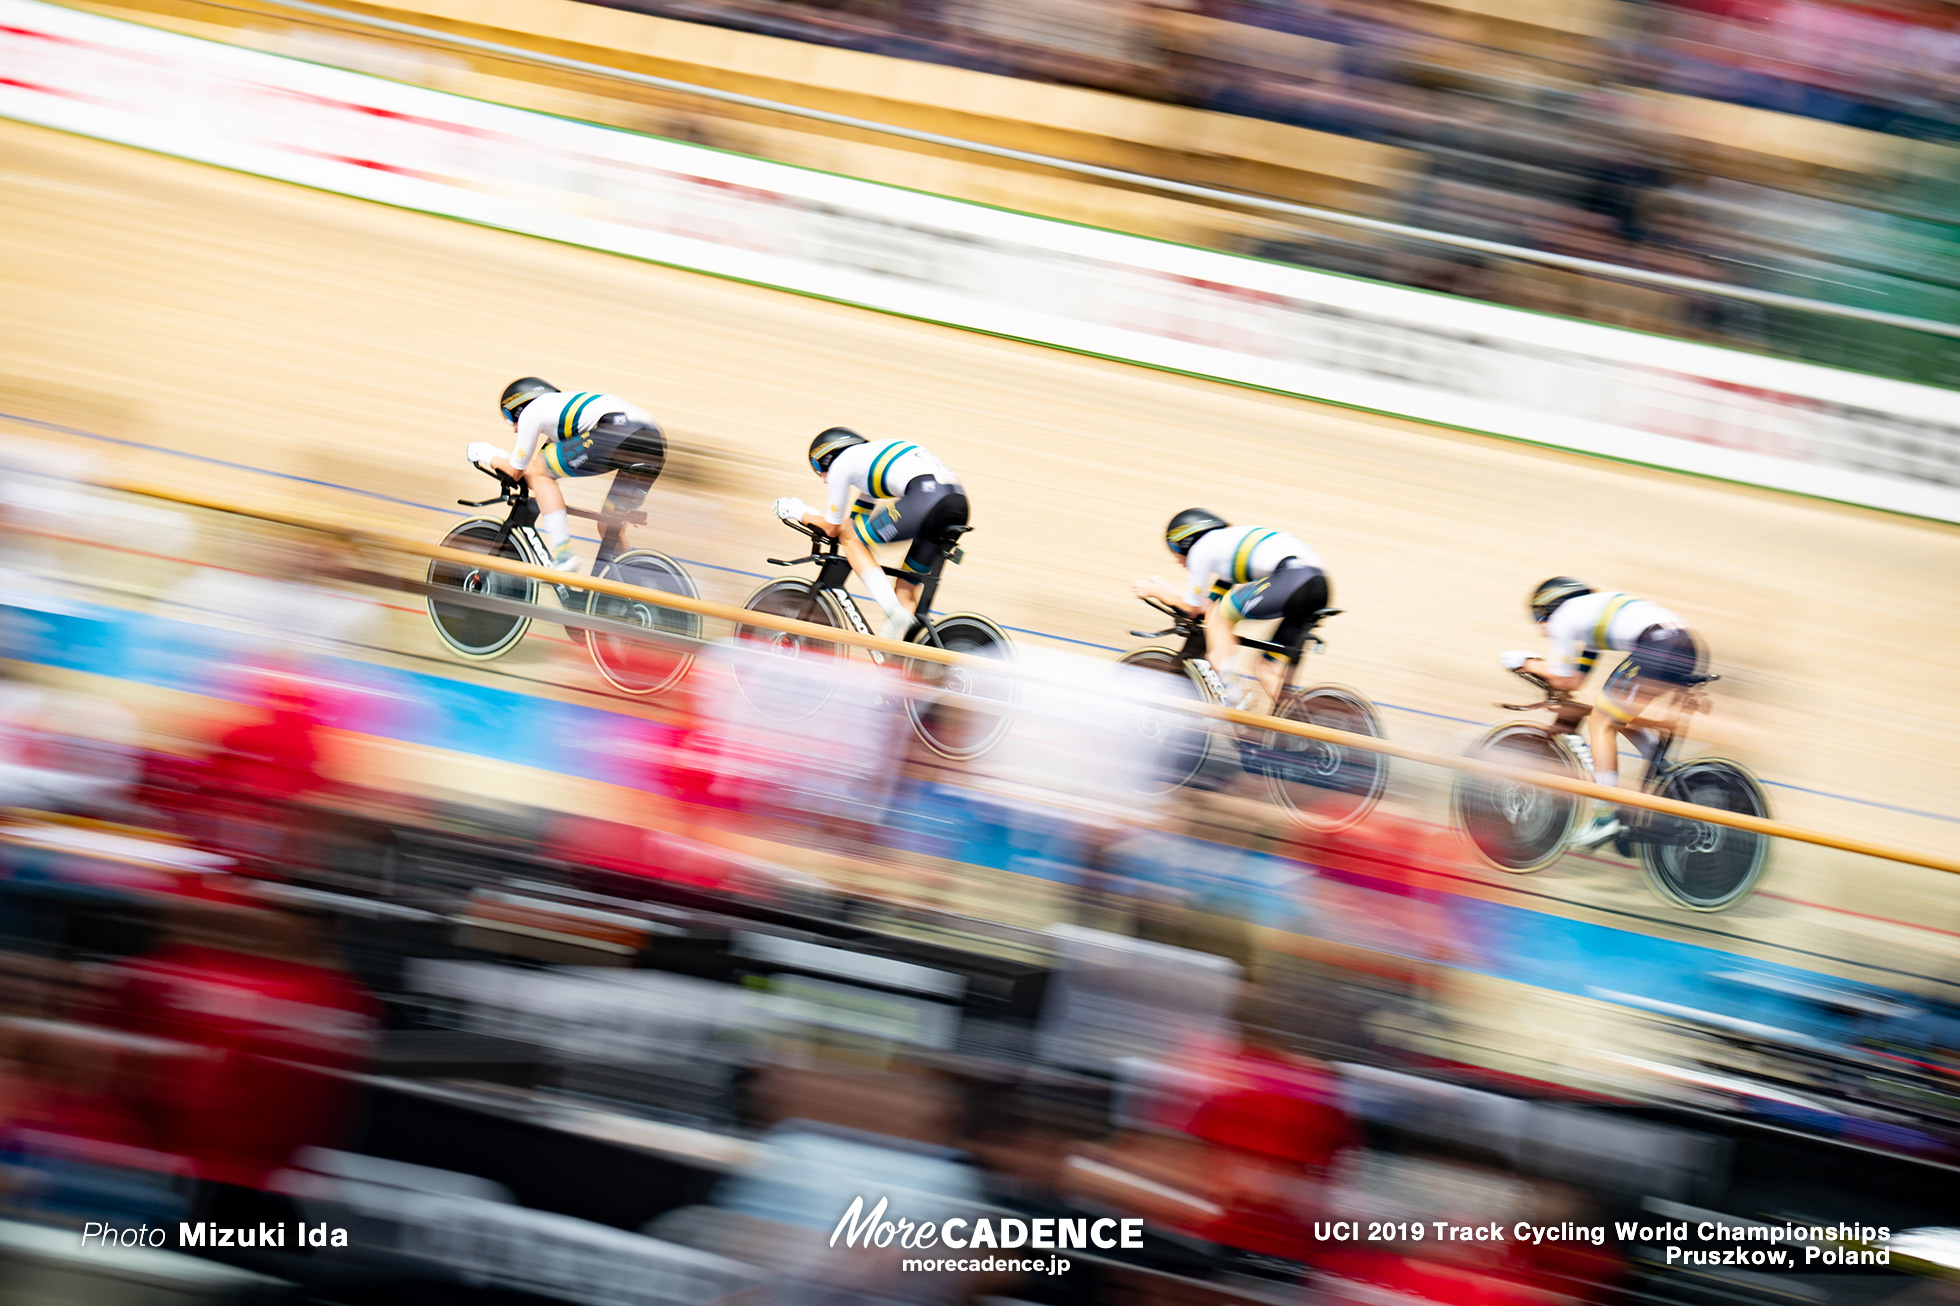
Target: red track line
[{"x": 1846, "y": 911}]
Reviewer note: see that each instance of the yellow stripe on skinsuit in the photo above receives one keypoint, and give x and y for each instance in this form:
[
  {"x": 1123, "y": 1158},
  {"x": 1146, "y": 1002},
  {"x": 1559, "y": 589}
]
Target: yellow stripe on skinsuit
[
  {"x": 881, "y": 467},
  {"x": 1612, "y": 609},
  {"x": 574, "y": 409},
  {"x": 1242, "y": 556}
]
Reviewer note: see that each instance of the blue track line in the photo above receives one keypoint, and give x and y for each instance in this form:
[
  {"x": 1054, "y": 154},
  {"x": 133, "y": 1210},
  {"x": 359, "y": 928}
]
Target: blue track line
[{"x": 737, "y": 571}]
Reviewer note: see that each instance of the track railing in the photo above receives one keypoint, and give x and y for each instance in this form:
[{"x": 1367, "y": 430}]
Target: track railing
[{"x": 392, "y": 541}]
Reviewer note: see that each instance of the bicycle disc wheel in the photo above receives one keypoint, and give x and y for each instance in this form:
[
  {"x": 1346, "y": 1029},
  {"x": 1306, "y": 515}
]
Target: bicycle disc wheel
[
  {"x": 958, "y": 730},
  {"x": 1176, "y": 745},
  {"x": 1518, "y": 826},
  {"x": 643, "y": 666},
  {"x": 1694, "y": 864},
  {"x": 480, "y": 634},
  {"x": 1326, "y": 786},
  {"x": 786, "y": 676}
]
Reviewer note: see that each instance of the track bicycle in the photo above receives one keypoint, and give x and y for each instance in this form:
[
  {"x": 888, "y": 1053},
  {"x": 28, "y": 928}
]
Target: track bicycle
[
  {"x": 1524, "y": 827},
  {"x": 483, "y": 631},
  {"x": 941, "y": 707},
  {"x": 1325, "y": 786}
]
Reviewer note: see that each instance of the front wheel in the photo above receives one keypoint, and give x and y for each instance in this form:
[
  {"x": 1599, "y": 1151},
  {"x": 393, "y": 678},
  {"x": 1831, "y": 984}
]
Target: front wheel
[
  {"x": 1696, "y": 864},
  {"x": 782, "y": 675},
  {"x": 947, "y": 713},
  {"x": 1174, "y": 746},
  {"x": 1519, "y": 826},
  {"x": 1326, "y": 786},
  {"x": 635, "y": 665},
  {"x": 480, "y": 633}
]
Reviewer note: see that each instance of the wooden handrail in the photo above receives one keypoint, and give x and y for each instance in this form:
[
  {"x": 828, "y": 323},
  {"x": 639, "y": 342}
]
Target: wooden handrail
[{"x": 919, "y": 653}]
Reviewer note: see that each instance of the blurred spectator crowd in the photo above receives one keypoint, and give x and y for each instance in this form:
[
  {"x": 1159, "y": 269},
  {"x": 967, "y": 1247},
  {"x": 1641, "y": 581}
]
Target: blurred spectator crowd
[
  {"x": 1601, "y": 129},
  {"x": 504, "y": 1053}
]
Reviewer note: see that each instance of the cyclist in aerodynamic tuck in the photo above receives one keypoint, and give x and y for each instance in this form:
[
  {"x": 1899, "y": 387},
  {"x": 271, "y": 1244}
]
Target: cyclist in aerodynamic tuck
[
  {"x": 892, "y": 490},
  {"x": 1241, "y": 573},
  {"x": 1661, "y": 654},
  {"x": 578, "y": 433}
]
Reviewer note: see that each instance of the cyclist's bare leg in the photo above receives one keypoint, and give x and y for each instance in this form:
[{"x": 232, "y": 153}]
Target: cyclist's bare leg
[
  {"x": 544, "y": 487},
  {"x": 1222, "y": 640},
  {"x": 1273, "y": 674},
  {"x": 1660, "y": 717},
  {"x": 1605, "y": 730},
  {"x": 1610, "y": 719},
  {"x": 899, "y": 603},
  {"x": 866, "y": 565},
  {"x": 551, "y": 506}
]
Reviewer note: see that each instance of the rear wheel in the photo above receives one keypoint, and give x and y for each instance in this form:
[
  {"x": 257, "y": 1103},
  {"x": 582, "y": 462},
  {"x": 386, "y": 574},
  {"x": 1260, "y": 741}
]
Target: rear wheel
[
  {"x": 1176, "y": 745},
  {"x": 961, "y": 728},
  {"x": 1326, "y": 786},
  {"x": 782, "y": 675},
  {"x": 480, "y": 633},
  {"x": 1695, "y": 864},
  {"x": 635, "y": 665},
  {"x": 1519, "y": 826}
]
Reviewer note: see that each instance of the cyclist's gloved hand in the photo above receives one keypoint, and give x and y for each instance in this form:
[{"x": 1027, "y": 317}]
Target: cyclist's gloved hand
[
  {"x": 790, "y": 510},
  {"x": 1515, "y": 660},
  {"x": 483, "y": 453}
]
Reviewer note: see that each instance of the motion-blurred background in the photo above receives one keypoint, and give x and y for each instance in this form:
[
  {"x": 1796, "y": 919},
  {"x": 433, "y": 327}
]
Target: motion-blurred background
[{"x": 548, "y": 992}]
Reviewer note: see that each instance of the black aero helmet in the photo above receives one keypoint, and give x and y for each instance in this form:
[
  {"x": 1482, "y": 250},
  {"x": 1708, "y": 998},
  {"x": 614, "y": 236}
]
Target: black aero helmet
[
  {"x": 1187, "y": 526},
  {"x": 1551, "y": 593},
  {"x": 520, "y": 392},
  {"x": 831, "y": 443}
]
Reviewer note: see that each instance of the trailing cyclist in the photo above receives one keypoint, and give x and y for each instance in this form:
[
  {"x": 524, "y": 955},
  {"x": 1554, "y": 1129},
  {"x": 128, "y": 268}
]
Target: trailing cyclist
[
  {"x": 1242, "y": 573},
  {"x": 1661, "y": 654},
  {"x": 892, "y": 490},
  {"x": 581, "y": 433}
]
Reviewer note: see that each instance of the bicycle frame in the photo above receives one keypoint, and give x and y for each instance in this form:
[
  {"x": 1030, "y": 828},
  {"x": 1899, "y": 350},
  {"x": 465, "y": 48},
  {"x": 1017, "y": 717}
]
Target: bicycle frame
[
  {"x": 1568, "y": 712},
  {"x": 1196, "y": 652},
  {"x": 834, "y": 576},
  {"x": 522, "y": 519}
]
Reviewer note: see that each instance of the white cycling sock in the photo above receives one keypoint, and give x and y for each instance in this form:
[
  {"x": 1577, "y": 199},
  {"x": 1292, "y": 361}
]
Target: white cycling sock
[
  {"x": 552, "y": 526},
  {"x": 879, "y": 586},
  {"x": 1611, "y": 779}
]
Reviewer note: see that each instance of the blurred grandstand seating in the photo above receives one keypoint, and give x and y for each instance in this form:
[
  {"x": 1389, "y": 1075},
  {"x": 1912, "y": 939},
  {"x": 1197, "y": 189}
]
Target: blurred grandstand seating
[{"x": 1798, "y": 147}]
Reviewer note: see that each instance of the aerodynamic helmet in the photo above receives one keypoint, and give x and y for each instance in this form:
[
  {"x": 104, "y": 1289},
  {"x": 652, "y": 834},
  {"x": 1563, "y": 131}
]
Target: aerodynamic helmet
[
  {"x": 1551, "y": 593},
  {"x": 829, "y": 444},
  {"x": 520, "y": 392},
  {"x": 1187, "y": 526}
]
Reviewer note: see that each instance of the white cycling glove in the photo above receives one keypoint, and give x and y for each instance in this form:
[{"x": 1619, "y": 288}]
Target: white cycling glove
[
  {"x": 484, "y": 453},
  {"x": 1515, "y": 659},
  {"x": 790, "y": 510}
]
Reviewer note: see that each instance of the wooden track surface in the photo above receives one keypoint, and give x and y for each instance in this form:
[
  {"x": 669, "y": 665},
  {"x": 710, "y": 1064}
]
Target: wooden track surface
[{"x": 325, "y": 338}]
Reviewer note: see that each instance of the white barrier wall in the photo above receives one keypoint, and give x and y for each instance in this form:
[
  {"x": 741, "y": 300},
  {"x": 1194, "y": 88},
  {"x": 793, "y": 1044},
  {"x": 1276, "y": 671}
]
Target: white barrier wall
[{"x": 1694, "y": 408}]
